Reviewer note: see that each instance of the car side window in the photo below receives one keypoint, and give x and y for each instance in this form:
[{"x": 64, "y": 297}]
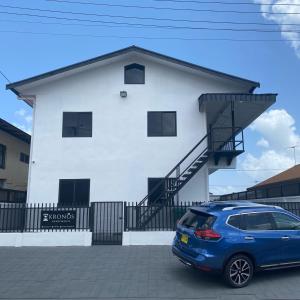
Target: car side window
[
  {"x": 285, "y": 222},
  {"x": 236, "y": 221},
  {"x": 259, "y": 221}
]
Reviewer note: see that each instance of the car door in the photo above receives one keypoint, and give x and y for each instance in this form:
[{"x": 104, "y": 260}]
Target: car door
[
  {"x": 262, "y": 239},
  {"x": 288, "y": 226}
]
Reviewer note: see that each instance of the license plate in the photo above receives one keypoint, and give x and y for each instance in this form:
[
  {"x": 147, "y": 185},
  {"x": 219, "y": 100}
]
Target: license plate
[{"x": 184, "y": 238}]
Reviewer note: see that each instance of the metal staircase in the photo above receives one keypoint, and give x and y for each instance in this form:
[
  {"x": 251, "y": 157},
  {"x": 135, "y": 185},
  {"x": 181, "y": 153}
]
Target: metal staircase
[{"x": 210, "y": 146}]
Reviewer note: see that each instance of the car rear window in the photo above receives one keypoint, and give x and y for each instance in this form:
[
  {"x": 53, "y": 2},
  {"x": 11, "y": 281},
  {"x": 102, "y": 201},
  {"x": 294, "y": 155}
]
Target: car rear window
[{"x": 195, "y": 219}]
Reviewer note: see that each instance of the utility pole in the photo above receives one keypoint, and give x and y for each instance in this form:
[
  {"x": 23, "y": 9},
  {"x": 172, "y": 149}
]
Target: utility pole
[{"x": 294, "y": 150}]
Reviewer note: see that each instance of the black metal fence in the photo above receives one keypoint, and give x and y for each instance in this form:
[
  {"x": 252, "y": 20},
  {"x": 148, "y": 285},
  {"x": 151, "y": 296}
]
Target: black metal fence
[
  {"x": 35, "y": 217},
  {"x": 293, "y": 207},
  {"x": 104, "y": 219},
  {"x": 164, "y": 217},
  {"x": 280, "y": 190},
  {"x": 12, "y": 196}
]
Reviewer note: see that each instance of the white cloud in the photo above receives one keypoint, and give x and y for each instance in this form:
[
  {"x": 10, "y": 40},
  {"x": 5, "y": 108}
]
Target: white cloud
[
  {"x": 284, "y": 18},
  {"x": 20, "y": 112},
  {"x": 28, "y": 119},
  {"x": 267, "y": 164},
  {"x": 277, "y": 127},
  {"x": 263, "y": 143},
  {"x": 223, "y": 190},
  {"x": 23, "y": 120},
  {"x": 278, "y": 132}
]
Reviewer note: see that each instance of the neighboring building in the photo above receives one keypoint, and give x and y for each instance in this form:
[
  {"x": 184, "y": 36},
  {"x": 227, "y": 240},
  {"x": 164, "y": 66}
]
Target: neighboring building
[
  {"x": 14, "y": 161},
  {"x": 284, "y": 186},
  {"x": 112, "y": 127}
]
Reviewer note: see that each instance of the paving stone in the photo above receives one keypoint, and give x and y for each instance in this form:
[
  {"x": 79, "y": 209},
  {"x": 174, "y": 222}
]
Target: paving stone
[{"x": 129, "y": 273}]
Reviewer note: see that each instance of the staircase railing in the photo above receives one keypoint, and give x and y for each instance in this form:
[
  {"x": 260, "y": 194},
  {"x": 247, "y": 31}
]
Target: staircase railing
[
  {"x": 185, "y": 169},
  {"x": 176, "y": 168},
  {"x": 226, "y": 139}
]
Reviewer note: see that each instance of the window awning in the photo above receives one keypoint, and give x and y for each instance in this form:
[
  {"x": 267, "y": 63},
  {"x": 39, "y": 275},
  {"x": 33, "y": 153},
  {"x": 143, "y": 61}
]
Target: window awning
[{"x": 246, "y": 107}]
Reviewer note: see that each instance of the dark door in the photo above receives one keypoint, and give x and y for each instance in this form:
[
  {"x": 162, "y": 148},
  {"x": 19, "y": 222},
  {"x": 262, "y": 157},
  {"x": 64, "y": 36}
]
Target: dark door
[
  {"x": 156, "y": 190},
  {"x": 106, "y": 223}
]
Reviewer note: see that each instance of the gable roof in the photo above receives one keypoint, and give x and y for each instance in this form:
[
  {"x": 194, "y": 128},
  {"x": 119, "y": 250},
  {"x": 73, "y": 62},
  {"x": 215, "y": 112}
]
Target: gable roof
[
  {"x": 291, "y": 174},
  {"x": 13, "y": 86},
  {"x": 14, "y": 131}
]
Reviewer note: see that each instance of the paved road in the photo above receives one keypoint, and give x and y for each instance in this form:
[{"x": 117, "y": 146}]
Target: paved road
[{"x": 115, "y": 272}]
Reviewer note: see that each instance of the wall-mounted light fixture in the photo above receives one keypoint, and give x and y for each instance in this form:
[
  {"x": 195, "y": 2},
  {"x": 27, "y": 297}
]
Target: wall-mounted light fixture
[{"x": 123, "y": 94}]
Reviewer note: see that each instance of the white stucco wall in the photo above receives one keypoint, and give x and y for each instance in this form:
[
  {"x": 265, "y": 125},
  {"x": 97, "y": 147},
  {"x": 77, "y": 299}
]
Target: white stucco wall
[
  {"x": 119, "y": 157},
  {"x": 142, "y": 238},
  {"x": 46, "y": 239}
]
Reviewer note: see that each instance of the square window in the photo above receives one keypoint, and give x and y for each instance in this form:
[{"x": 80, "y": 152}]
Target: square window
[
  {"x": 134, "y": 74},
  {"x": 77, "y": 124},
  {"x": 24, "y": 158},
  {"x": 161, "y": 124},
  {"x": 74, "y": 192}
]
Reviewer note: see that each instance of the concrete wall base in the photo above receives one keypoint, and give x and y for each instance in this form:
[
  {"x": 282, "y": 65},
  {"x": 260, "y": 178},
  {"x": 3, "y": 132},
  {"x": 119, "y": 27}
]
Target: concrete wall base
[
  {"x": 148, "y": 238},
  {"x": 46, "y": 239}
]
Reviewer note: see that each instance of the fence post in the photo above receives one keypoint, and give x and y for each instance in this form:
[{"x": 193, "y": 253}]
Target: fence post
[
  {"x": 91, "y": 216},
  {"x": 125, "y": 217}
]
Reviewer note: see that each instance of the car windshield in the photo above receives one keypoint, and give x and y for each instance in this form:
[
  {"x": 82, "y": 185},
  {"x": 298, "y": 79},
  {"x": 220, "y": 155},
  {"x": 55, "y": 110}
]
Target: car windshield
[{"x": 195, "y": 219}]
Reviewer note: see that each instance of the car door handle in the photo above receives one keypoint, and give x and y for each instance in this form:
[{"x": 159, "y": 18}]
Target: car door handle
[
  {"x": 285, "y": 238},
  {"x": 249, "y": 238}
]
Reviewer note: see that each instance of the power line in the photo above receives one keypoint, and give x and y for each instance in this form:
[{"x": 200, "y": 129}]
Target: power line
[
  {"x": 160, "y": 8},
  {"x": 163, "y": 8},
  {"x": 5, "y": 77},
  {"x": 148, "y": 37},
  {"x": 168, "y": 8},
  {"x": 141, "y": 18},
  {"x": 229, "y": 3},
  {"x": 183, "y": 20},
  {"x": 156, "y": 25}
]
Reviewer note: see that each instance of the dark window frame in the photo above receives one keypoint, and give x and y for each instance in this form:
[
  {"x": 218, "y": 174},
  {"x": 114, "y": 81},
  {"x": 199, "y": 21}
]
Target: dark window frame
[
  {"x": 134, "y": 66},
  {"x": 78, "y": 114},
  {"x": 162, "y": 133},
  {"x": 24, "y": 157},
  {"x": 3, "y": 160},
  {"x": 73, "y": 203}
]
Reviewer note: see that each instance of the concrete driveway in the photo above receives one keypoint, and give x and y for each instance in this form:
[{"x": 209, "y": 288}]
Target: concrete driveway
[{"x": 116, "y": 272}]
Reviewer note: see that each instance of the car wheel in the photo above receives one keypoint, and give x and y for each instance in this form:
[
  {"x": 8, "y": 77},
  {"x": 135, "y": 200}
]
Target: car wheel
[{"x": 238, "y": 271}]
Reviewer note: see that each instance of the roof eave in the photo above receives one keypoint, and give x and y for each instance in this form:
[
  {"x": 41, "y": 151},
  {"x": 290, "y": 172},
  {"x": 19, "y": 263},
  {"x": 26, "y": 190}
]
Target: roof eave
[{"x": 12, "y": 86}]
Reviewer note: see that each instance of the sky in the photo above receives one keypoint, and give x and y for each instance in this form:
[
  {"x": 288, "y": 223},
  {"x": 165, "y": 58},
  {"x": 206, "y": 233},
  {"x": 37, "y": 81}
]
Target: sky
[{"x": 41, "y": 35}]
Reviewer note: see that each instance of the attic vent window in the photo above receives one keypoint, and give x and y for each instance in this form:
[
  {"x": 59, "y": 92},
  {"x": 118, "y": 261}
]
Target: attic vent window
[{"x": 134, "y": 74}]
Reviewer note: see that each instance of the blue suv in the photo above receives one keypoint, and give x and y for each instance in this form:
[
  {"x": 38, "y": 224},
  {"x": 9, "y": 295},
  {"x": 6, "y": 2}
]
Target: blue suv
[{"x": 238, "y": 238}]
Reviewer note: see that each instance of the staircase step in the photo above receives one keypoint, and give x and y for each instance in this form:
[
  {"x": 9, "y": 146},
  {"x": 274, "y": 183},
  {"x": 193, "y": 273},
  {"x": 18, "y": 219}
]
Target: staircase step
[{"x": 186, "y": 175}]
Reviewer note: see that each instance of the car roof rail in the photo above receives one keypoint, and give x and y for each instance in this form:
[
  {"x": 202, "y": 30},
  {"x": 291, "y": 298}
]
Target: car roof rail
[{"x": 251, "y": 206}]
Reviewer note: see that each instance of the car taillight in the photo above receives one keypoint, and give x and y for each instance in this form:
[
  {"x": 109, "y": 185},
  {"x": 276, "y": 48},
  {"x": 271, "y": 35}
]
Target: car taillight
[{"x": 207, "y": 234}]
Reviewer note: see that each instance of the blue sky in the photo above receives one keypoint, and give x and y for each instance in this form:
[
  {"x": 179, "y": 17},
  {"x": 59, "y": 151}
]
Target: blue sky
[{"x": 31, "y": 48}]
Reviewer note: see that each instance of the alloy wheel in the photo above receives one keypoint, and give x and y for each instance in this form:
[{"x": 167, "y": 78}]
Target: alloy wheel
[{"x": 240, "y": 271}]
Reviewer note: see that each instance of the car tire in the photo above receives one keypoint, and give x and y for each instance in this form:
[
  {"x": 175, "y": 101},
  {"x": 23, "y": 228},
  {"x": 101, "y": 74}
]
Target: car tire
[{"x": 238, "y": 271}]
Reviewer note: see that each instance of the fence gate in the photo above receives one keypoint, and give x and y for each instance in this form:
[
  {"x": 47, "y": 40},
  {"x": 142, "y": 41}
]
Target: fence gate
[{"x": 107, "y": 223}]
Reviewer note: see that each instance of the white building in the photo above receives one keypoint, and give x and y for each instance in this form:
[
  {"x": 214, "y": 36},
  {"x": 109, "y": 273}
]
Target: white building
[{"x": 108, "y": 128}]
